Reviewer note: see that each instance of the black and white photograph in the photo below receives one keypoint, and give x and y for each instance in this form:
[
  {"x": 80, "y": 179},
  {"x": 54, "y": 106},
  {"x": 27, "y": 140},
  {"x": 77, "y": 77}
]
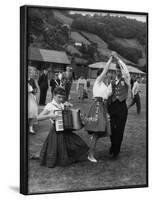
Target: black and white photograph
[{"x": 84, "y": 99}]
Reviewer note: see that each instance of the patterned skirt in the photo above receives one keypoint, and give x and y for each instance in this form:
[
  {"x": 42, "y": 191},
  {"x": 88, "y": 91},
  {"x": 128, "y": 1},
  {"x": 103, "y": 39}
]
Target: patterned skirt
[
  {"x": 62, "y": 148},
  {"x": 101, "y": 126}
]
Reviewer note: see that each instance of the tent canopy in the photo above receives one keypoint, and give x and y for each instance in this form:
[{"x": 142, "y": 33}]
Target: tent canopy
[{"x": 113, "y": 67}]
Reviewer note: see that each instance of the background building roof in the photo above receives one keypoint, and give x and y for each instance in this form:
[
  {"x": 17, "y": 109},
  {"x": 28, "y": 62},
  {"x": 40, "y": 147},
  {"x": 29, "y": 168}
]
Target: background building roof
[
  {"x": 71, "y": 49},
  {"x": 45, "y": 55}
]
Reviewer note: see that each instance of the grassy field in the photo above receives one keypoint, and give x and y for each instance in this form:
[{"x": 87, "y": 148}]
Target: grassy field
[{"x": 128, "y": 169}]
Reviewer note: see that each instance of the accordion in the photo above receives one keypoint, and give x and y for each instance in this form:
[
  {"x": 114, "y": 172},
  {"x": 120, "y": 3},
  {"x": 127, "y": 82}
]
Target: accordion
[{"x": 69, "y": 119}]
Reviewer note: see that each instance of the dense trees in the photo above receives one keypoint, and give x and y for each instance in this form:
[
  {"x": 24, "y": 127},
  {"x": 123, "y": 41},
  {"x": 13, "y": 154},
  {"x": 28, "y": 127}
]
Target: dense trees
[
  {"x": 108, "y": 27},
  {"x": 129, "y": 53},
  {"x": 89, "y": 52},
  {"x": 45, "y": 31}
]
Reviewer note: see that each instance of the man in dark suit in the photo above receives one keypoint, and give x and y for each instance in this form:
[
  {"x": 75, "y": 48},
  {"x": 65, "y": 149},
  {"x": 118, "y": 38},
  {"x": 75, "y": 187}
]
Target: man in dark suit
[
  {"x": 43, "y": 84},
  {"x": 118, "y": 109}
]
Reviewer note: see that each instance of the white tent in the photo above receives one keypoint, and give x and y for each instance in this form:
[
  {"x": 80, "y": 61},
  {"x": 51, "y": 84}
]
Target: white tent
[{"x": 113, "y": 67}]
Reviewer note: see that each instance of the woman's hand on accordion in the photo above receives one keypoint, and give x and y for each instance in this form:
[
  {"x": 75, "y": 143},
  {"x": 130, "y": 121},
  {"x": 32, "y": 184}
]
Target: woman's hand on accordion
[
  {"x": 54, "y": 116},
  {"x": 68, "y": 105}
]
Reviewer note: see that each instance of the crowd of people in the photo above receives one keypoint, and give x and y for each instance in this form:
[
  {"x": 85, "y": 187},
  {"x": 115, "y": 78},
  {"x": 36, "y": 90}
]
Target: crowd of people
[{"x": 106, "y": 116}]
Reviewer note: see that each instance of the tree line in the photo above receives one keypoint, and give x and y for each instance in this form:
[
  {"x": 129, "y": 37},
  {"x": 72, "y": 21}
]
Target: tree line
[
  {"x": 45, "y": 31},
  {"x": 109, "y": 27}
]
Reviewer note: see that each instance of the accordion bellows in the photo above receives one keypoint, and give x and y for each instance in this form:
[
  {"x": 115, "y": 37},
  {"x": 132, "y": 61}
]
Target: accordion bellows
[{"x": 67, "y": 119}]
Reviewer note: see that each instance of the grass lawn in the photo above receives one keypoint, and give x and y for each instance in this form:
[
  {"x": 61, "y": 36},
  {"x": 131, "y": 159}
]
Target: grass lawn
[{"x": 127, "y": 170}]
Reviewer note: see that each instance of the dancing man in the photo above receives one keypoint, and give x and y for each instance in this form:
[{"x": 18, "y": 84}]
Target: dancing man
[{"x": 117, "y": 109}]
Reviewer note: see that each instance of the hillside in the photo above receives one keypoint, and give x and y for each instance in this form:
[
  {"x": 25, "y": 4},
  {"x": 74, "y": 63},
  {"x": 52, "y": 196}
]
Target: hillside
[
  {"x": 62, "y": 18},
  {"x": 60, "y": 30},
  {"x": 134, "y": 43},
  {"x": 95, "y": 39},
  {"x": 126, "y": 36}
]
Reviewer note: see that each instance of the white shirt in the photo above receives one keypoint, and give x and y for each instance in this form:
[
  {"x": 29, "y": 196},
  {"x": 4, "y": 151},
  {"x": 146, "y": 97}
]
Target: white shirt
[
  {"x": 100, "y": 89},
  {"x": 60, "y": 76},
  {"x": 135, "y": 88},
  {"x": 52, "y": 106},
  {"x": 125, "y": 72}
]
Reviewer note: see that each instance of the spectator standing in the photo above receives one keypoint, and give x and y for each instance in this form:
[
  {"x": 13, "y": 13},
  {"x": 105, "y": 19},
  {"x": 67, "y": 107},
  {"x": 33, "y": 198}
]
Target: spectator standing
[
  {"x": 54, "y": 82},
  {"x": 68, "y": 79},
  {"x": 81, "y": 88},
  {"x": 135, "y": 95},
  {"x": 43, "y": 84},
  {"x": 32, "y": 103}
]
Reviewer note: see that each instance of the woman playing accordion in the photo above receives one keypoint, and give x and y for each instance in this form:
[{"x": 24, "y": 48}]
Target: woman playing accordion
[{"x": 61, "y": 146}]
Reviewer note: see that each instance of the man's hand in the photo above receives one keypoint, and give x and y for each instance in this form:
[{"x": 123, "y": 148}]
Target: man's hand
[{"x": 114, "y": 54}]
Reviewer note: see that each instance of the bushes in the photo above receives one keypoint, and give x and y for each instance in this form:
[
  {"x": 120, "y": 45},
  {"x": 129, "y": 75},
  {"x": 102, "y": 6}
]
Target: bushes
[{"x": 131, "y": 54}]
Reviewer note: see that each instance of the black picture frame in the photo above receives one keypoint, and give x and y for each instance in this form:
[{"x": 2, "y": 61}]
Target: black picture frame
[{"x": 24, "y": 99}]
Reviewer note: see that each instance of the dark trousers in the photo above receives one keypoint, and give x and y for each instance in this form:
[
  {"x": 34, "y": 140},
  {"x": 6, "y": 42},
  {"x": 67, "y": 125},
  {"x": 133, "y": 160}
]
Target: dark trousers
[
  {"x": 43, "y": 92},
  {"x": 67, "y": 89},
  {"x": 118, "y": 115},
  {"x": 136, "y": 100}
]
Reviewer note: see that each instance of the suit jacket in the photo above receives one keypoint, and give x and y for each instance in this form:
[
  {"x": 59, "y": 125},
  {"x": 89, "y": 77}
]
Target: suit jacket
[
  {"x": 43, "y": 81},
  {"x": 119, "y": 91},
  {"x": 54, "y": 83}
]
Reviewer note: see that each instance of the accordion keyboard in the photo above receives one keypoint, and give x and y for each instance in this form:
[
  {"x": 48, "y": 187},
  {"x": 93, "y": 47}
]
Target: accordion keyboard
[{"x": 59, "y": 126}]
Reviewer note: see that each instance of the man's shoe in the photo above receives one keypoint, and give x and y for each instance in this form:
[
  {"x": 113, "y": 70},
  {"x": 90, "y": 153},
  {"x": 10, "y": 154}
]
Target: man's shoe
[
  {"x": 110, "y": 151},
  {"x": 115, "y": 155}
]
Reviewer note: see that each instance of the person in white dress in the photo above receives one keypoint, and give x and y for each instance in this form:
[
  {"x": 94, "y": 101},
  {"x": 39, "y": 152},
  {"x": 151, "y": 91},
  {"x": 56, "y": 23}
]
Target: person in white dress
[
  {"x": 32, "y": 109},
  {"x": 32, "y": 100},
  {"x": 99, "y": 127},
  {"x": 81, "y": 88}
]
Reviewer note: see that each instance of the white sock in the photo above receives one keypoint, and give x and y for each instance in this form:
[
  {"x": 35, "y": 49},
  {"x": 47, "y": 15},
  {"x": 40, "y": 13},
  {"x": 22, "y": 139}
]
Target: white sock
[{"x": 31, "y": 129}]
